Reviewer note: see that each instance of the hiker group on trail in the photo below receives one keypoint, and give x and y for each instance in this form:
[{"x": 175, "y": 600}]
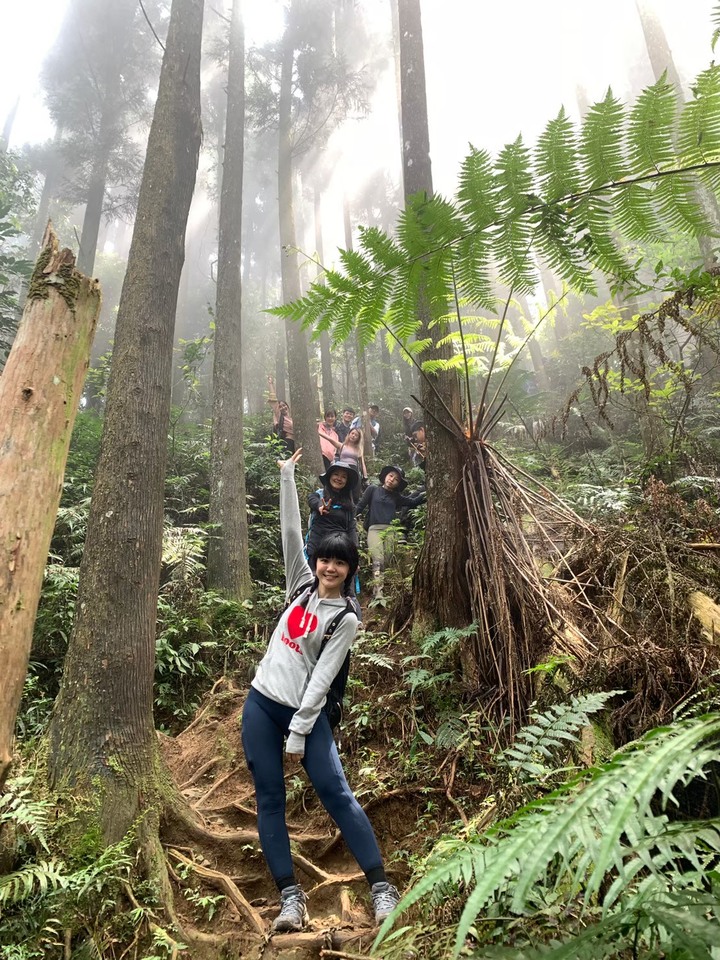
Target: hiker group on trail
[{"x": 295, "y": 699}]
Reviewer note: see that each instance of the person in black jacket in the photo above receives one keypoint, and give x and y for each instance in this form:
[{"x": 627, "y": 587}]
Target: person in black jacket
[
  {"x": 382, "y": 504},
  {"x": 332, "y": 506}
]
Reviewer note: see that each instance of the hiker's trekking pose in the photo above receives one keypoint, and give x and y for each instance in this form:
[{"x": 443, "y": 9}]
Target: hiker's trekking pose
[{"x": 286, "y": 700}]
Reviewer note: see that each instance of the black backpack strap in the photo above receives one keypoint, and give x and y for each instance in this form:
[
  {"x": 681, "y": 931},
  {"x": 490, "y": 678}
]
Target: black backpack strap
[
  {"x": 298, "y": 592},
  {"x": 335, "y": 623}
]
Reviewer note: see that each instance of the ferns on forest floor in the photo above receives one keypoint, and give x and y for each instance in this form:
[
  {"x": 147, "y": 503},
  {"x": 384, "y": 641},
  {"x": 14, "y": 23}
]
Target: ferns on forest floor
[{"x": 601, "y": 854}]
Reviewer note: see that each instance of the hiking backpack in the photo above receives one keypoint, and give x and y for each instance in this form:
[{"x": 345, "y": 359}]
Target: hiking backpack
[{"x": 334, "y": 699}]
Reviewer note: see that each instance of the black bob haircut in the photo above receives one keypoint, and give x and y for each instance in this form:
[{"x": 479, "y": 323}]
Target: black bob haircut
[{"x": 338, "y": 546}]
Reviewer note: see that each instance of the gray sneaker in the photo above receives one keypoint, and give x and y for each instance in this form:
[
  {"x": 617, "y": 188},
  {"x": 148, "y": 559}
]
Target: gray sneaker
[
  {"x": 293, "y": 913},
  {"x": 385, "y": 898}
]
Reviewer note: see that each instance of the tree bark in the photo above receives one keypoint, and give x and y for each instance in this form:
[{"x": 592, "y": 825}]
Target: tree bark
[
  {"x": 359, "y": 356},
  {"x": 440, "y": 594},
  {"x": 328, "y": 390},
  {"x": 93, "y": 215},
  {"x": 102, "y": 736},
  {"x": 228, "y": 552},
  {"x": 39, "y": 395},
  {"x": 303, "y": 399}
]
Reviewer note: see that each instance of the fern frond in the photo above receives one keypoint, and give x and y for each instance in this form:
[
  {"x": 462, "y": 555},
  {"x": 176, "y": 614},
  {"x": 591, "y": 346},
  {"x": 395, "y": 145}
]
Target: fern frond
[
  {"x": 595, "y": 826},
  {"x": 601, "y": 142},
  {"x": 699, "y": 136},
  {"x": 651, "y": 130},
  {"x": 549, "y": 732},
  {"x": 556, "y": 160},
  {"x": 679, "y": 205},
  {"x": 515, "y": 236},
  {"x": 32, "y": 879},
  {"x": 19, "y": 807}
]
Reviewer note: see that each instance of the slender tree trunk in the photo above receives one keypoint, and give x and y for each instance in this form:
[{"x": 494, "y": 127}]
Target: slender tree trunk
[
  {"x": 102, "y": 735},
  {"x": 8, "y": 125},
  {"x": 303, "y": 399},
  {"x": 328, "y": 390},
  {"x": 39, "y": 395},
  {"x": 93, "y": 215},
  {"x": 537, "y": 357},
  {"x": 228, "y": 552},
  {"x": 440, "y": 590},
  {"x": 359, "y": 355}
]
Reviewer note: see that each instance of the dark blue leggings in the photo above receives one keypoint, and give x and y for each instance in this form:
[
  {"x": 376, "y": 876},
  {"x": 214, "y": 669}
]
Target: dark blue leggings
[{"x": 264, "y": 728}]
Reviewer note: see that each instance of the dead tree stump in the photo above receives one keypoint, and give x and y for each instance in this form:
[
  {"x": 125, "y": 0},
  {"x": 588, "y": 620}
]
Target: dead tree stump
[{"x": 40, "y": 390}]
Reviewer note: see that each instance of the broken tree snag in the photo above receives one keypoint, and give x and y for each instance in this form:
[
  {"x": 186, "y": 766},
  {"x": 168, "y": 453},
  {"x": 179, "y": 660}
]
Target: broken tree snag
[{"x": 40, "y": 390}]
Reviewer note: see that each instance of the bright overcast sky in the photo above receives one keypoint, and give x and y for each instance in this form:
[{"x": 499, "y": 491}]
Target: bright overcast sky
[{"x": 494, "y": 69}]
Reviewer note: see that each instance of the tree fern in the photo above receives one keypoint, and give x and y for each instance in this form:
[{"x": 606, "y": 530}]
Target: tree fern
[
  {"x": 603, "y": 840},
  {"x": 571, "y": 201},
  {"x": 549, "y": 732}
]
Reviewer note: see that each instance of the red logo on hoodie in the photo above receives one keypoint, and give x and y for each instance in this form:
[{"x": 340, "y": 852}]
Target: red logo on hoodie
[{"x": 300, "y": 623}]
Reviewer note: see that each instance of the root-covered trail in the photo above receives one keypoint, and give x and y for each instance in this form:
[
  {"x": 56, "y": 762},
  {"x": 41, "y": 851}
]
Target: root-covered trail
[{"x": 214, "y": 852}]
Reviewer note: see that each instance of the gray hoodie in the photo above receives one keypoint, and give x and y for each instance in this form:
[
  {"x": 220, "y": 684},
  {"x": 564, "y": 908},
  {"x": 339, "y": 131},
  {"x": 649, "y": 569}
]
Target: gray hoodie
[{"x": 291, "y": 672}]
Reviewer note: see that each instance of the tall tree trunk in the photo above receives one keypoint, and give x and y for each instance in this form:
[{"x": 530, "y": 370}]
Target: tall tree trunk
[
  {"x": 359, "y": 355},
  {"x": 8, "y": 125},
  {"x": 440, "y": 590},
  {"x": 386, "y": 369},
  {"x": 102, "y": 736},
  {"x": 39, "y": 395},
  {"x": 303, "y": 398},
  {"x": 93, "y": 214},
  {"x": 328, "y": 390},
  {"x": 537, "y": 358},
  {"x": 228, "y": 552}
]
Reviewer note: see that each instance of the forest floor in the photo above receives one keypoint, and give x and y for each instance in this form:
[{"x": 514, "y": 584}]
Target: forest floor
[{"x": 221, "y": 855}]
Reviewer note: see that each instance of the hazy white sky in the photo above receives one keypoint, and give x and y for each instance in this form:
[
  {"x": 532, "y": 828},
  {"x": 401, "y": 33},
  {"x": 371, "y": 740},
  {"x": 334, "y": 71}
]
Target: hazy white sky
[{"x": 494, "y": 69}]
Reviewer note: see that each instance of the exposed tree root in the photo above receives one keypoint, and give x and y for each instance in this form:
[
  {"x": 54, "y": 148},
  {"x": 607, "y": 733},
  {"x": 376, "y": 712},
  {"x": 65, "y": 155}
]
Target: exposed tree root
[
  {"x": 201, "y": 772},
  {"x": 333, "y": 880},
  {"x": 222, "y": 882},
  {"x": 213, "y": 788},
  {"x": 198, "y": 719}
]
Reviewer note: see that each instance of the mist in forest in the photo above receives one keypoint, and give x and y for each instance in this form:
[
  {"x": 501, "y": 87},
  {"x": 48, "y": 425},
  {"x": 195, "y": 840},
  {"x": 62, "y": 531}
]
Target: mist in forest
[{"x": 493, "y": 72}]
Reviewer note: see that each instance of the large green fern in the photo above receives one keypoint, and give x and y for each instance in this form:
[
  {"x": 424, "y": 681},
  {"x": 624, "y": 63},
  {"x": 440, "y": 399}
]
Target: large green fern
[
  {"x": 602, "y": 851},
  {"x": 570, "y": 202},
  {"x": 549, "y": 732}
]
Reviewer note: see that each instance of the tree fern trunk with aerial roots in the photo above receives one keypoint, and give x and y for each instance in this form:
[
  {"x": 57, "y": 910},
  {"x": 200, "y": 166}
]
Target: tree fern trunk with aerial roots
[{"x": 568, "y": 203}]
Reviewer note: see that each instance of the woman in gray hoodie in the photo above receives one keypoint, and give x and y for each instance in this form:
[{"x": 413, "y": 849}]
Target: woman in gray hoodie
[{"x": 286, "y": 700}]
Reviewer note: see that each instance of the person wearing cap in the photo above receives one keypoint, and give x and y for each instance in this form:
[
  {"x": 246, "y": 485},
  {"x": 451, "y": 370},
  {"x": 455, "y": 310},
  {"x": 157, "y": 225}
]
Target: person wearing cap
[
  {"x": 408, "y": 418},
  {"x": 381, "y": 505},
  {"x": 332, "y": 506}
]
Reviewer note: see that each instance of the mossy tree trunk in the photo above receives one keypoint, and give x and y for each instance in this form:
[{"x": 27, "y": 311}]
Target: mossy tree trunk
[
  {"x": 102, "y": 736},
  {"x": 440, "y": 594},
  {"x": 228, "y": 552},
  {"x": 39, "y": 394}
]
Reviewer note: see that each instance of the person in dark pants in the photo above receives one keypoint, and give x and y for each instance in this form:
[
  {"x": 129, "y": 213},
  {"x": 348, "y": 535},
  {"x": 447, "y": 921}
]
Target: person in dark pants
[
  {"x": 382, "y": 504},
  {"x": 284, "y": 709}
]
